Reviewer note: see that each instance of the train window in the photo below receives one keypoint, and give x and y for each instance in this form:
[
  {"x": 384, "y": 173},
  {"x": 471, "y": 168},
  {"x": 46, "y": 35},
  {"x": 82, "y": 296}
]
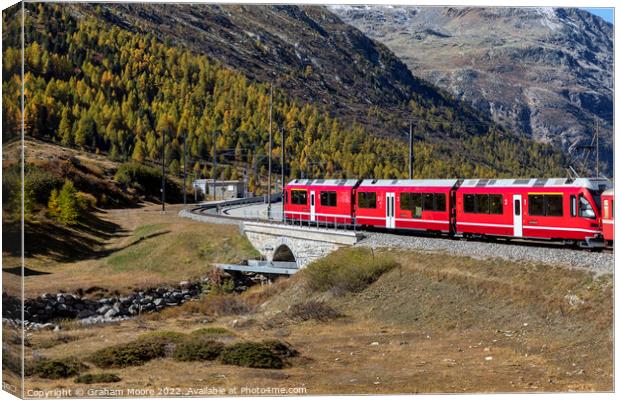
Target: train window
[
  {"x": 585, "y": 209},
  {"x": 482, "y": 204},
  {"x": 573, "y": 205},
  {"x": 469, "y": 203},
  {"x": 536, "y": 205},
  {"x": 427, "y": 202},
  {"x": 553, "y": 205},
  {"x": 328, "y": 199},
  {"x": 412, "y": 202},
  {"x": 549, "y": 205},
  {"x": 367, "y": 199},
  {"x": 495, "y": 204},
  {"x": 299, "y": 197},
  {"x": 440, "y": 200}
]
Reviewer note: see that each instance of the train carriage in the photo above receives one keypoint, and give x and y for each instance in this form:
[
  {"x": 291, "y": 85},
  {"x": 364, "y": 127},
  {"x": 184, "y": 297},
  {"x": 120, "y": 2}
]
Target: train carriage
[
  {"x": 554, "y": 209},
  {"x": 329, "y": 201},
  {"x": 413, "y": 204},
  {"x": 607, "y": 217}
]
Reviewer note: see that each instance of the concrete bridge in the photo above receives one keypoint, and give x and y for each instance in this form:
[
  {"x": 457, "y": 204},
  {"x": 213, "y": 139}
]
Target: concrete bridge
[
  {"x": 298, "y": 244},
  {"x": 284, "y": 248}
]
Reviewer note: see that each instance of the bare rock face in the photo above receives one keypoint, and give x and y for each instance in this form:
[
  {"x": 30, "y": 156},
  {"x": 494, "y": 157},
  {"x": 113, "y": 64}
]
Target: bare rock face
[{"x": 545, "y": 72}]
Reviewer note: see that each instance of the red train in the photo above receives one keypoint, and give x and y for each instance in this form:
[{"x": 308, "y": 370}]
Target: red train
[
  {"x": 567, "y": 210},
  {"x": 607, "y": 219}
]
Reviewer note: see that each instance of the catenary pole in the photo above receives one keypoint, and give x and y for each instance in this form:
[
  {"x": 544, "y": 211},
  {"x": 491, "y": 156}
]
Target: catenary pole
[
  {"x": 185, "y": 168},
  {"x": 410, "y": 150},
  {"x": 163, "y": 171},
  {"x": 270, "y": 144}
]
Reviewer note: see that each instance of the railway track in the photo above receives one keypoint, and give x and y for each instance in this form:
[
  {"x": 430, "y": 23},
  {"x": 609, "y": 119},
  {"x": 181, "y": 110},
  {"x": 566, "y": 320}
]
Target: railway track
[
  {"x": 515, "y": 250},
  {"x": 223, "y": 214}
]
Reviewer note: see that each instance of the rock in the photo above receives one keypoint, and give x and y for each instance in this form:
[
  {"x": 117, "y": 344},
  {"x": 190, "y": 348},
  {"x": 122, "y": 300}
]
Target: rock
[
  {"x": 488, "y": 358},
  {"x": 57, "y": 328},
  {"x": 103, "y": 309},
  {"x": 84, "y": 314},
  {"x": 133, "y": 309},
  {"x": 111, "y": 313},
  {"x": 47, "y": 326},
  {"x": 158, "y": 302},
  {"x": 184, "y": 284},
  {"x": 374, "y": 344}
]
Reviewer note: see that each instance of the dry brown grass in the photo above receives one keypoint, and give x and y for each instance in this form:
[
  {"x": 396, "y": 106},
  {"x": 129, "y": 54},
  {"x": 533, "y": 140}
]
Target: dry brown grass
[
  {"x": 179, "y": 249},
  {"x": 437, "y": 324}
]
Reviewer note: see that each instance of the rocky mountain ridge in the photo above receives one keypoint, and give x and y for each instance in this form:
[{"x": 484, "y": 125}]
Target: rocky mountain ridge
[{"x": 547, "y": 73}]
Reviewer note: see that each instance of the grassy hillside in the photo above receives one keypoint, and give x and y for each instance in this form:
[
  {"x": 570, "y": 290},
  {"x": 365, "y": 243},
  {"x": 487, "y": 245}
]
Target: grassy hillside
[
  {"x": 412, "y": 323},
  {"x": 103, "y": 88}
]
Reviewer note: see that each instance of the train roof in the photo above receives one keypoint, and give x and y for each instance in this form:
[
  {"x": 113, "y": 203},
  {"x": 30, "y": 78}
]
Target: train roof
[
  {"x": 324, "y": 182},
  {"x": 590, "y": 183},
  {"x": 409, "y": 182}
]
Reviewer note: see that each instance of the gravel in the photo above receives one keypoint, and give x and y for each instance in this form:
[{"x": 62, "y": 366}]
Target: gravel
[{"x": 600, "y": 263}]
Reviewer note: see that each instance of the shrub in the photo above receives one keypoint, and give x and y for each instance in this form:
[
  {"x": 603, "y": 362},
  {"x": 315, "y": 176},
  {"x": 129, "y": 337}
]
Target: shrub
[
  {"x": 212, "y": 331},
  {"x": 86, "y": 201},
  {"x": 68, "y": 207},
  {"x": 52, "y": 204},
  {"x": 347, "y": 270},
  {"x": 58, "y": 369},
  {"x": 281, "y": 348},
  {"x": 12, "y": 359},
  {"x": 268, "y": 354},
  {"x": 197, "y": 348},
  {"x": 137, "y": 352},
  {"x": 97, "y": 378},
  {"x": 312, "y": 310}
]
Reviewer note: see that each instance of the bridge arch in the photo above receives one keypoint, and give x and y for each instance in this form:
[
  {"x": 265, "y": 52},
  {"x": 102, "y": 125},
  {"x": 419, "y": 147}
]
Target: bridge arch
[{"x": 284, "y": 253}]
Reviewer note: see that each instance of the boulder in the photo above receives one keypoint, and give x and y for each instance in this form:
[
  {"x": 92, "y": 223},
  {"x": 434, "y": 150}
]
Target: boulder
[
  {"x": 104, "y": 309},
  {"x": 111, "y": 313}
]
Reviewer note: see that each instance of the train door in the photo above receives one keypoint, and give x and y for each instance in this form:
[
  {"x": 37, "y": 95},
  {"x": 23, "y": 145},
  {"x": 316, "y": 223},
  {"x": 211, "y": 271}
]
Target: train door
[
  {"x": 312, "y": 213},
  {"x": 390, "y": 220},
  {"x": 517, "y": 205}
]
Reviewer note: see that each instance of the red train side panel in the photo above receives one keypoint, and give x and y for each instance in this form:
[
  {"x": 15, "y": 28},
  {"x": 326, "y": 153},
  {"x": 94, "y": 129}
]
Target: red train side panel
[
  {"x": 320, "y": 200},
  {"x": 607, "y": 211},
  {"x": 557, "y": 209},
  {"x": 417, "y": 204}
]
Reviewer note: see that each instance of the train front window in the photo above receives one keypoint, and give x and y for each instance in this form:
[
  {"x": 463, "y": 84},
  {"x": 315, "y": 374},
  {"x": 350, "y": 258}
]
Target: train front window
[
  {"x": 585, "y": 208},
  {"x": 299, "y": 197},
  {"x": 596, "y": 195}
]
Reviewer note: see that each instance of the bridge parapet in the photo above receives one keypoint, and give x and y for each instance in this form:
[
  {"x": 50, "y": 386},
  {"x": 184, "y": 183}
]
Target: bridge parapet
[{"x": 300, "y": 244}]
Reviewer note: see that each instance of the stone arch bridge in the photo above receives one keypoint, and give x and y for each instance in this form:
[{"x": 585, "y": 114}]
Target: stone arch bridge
[{"x": 298, "y": 244}]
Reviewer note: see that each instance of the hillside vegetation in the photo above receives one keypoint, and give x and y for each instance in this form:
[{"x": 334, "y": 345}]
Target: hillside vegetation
[
  {"x": 412, "y": 323},
  {"x": 108, "y": 90}
]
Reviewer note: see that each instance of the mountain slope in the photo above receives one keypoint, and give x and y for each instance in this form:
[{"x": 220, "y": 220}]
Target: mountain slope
[
  {"x": 92, "y": 83},
  {"x": 545, "y": 72},
  {"x": 307, "y": 51}
]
